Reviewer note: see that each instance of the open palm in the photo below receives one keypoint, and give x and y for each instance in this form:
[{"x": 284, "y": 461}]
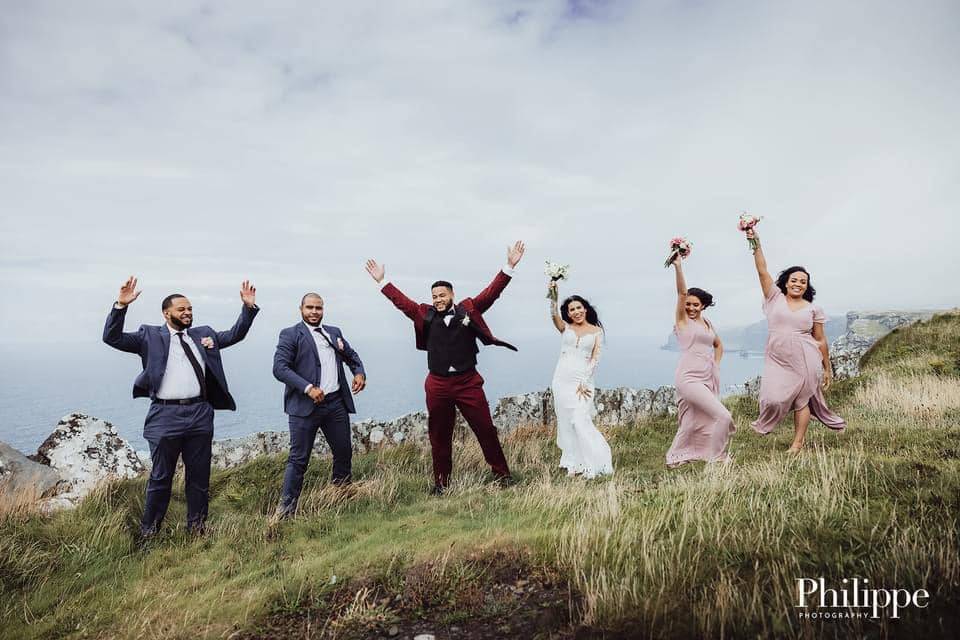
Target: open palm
[{"x": 128, "y": 291}]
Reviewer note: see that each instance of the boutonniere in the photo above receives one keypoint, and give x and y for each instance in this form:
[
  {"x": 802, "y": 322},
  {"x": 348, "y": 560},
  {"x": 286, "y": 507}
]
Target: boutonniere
[
  {"x": 340, "y": 344},
  {"x": 207, "y": 342},
  {"x": 466, "y": 320}
]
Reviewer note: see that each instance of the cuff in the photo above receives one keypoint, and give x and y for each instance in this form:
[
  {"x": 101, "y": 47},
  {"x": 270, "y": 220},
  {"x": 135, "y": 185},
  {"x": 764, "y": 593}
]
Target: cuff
[
  {"x": 306, "y": 389},
  {"x": 383, "y": 284},
  {"x": 507, "y": 269}
]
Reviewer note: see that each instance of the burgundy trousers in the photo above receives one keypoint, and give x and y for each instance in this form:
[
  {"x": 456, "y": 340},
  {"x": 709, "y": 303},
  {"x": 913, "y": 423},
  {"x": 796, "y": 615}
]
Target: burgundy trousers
[{"x": 464, "y": 392}]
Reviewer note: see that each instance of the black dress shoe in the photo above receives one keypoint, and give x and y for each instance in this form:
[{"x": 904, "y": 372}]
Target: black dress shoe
[
  {"x": 506, "y": 481},
  {"x": 438, "y": 490}
]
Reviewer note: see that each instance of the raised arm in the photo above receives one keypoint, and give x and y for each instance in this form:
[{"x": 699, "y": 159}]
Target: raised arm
[
  {"x": 485, "y": 299},
  {"x": 555, "y": 309},
  {"x": 680, "y": 314},
  {"x": 766, "y": 282},
  {"x": 378, "y": 272},
  {"x": 113, "y": 333},
  {"x": 236, "y": 333}
]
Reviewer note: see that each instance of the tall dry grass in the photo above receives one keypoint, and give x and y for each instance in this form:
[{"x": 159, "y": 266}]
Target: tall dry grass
[{"x": 924, "y": 396}]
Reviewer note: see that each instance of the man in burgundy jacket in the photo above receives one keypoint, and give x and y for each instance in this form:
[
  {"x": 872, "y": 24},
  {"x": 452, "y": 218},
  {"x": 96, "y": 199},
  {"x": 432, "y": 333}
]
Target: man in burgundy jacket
[{"x": 448, "y": 331}]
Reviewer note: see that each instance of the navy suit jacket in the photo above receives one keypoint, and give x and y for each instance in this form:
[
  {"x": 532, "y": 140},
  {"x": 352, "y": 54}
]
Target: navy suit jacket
[
  {"x": 152, "y": 344},
  {"x": 296, "y": 364}
]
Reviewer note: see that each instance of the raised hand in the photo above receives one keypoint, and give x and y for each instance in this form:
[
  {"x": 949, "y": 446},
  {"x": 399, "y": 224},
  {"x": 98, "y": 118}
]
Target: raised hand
[
  {"x": 248, "y": 293},
  {"x": 376, "y": 271},
  {"x": 128, "y": 291},
  {"x": 514, "y": 253}
]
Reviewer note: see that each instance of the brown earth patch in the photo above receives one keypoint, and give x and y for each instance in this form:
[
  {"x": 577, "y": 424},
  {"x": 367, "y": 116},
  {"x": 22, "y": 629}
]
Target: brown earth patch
[{"x": 482, "y": 596}]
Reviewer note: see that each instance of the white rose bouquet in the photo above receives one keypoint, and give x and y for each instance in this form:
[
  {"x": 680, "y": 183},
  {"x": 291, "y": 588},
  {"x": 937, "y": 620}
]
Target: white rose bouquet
[{"x": 555, "y": 272}]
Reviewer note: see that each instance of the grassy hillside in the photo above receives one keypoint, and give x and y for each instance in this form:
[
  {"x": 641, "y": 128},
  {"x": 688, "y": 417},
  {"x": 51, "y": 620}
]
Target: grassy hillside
[{"x": 699, "y": 551}]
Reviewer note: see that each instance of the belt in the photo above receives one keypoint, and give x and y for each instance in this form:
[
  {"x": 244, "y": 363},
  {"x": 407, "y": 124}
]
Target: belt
[
  {"x": 183, "y": 401},
  {"x": 452, "y": 374}
]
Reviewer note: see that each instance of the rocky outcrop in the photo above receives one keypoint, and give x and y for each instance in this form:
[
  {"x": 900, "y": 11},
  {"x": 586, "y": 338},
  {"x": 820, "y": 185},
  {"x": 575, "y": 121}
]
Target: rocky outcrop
[
  {"x": 614, "y": 407},
  {"x": 617, "y": 406},
  {"x": 21, "y": 476},
  {"x": 236, "y": 451},
  {"x": 87, "y": 451},
  {"x": 864, "y": 328},
  {"x": 374, "y": 434}
]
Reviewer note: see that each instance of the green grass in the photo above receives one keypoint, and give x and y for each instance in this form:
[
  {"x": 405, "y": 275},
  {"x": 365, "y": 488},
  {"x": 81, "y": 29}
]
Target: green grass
[{"x": 698, "y": 551}]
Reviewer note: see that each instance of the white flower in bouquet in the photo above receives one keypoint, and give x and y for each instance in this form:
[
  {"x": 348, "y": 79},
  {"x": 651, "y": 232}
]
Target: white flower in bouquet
[{"x": 556, "y": 272}]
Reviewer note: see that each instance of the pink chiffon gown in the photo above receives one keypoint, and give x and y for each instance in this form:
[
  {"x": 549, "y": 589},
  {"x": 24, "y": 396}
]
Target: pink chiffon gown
[
  {"x": 793, "y": 368},
  {"x": 705, "y": 424}
]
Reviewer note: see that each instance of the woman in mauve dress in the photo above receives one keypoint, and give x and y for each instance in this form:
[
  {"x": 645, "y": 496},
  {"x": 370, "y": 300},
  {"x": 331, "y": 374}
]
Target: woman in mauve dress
[
  {"x": 796, "y": 369},
  {"x": 705, "y": 424}
]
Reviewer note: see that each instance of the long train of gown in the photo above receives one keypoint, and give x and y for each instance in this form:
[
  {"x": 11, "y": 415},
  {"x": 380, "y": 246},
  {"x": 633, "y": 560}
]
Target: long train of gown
[
  {"x": 793, "y": 366},
  {"x": 704, "y": 424},
  {"x": 583, "y": 448}
]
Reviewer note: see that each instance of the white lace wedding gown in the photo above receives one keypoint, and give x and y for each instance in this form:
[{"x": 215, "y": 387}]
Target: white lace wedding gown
[{"x": 583, "y": 448}]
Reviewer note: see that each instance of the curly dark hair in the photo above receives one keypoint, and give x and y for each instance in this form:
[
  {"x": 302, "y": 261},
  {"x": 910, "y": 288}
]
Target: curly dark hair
[
  {"x": 592, "y": 316},
  {"x": 704, "y": 297},
  {"x": 785, "y": 275}
]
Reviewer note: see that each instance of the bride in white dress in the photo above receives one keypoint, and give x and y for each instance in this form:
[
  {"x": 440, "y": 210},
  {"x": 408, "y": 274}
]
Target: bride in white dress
[{"x": 584, "y": 451}]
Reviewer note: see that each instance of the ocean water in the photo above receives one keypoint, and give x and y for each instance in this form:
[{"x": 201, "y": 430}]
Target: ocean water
[{"x": 41, "y": 383}]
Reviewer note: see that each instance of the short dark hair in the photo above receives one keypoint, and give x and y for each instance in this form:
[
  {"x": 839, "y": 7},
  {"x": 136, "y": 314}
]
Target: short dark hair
[
  {"x": 168, "y": 301},
  {"x": 785, "y": 275},
  {"x": 309, "y": 294},
  {"x": 704, "y": 297},
  {"x": 441, "y": 283}
]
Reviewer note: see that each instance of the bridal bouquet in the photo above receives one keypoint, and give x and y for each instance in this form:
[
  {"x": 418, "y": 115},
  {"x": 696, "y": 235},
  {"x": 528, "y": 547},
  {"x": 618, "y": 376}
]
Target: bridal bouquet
[
  {"x": 555, "y": 272},
  {"x": 746, "y": 223},
  {"x": 678, "y": 247}
]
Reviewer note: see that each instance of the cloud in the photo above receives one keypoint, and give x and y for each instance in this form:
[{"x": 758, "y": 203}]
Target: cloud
[{"x": 197, "y": 145}]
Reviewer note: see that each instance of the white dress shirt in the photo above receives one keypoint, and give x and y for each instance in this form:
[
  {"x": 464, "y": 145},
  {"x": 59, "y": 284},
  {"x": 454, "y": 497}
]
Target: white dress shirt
[
  {"x": 329, "y": 379},
  {"x": 179, "y": 379}
]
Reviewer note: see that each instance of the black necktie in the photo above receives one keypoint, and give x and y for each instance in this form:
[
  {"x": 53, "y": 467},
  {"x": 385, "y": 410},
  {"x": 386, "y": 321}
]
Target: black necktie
[
  {"x": 197, "y": 369},
  {"x": 343, "y": 355}
]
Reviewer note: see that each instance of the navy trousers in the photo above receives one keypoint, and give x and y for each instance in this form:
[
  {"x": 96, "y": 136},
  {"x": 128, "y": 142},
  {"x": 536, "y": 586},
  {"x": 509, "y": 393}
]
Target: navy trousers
[
  {"x": 178, "y": 431},
  {"x": 330, "y": 417}
]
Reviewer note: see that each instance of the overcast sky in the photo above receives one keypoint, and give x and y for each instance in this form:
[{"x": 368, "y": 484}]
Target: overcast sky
[{"x": 198, "y": 144}]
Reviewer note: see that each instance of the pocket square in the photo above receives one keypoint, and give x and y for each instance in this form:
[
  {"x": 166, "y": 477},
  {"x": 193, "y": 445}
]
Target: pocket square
[{"x": 207, "y": 342}]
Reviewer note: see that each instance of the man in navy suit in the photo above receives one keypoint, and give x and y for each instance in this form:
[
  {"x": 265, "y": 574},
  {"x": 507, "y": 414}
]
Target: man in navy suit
[
  {"x": 183, "y": 377},
  {"x": 309, "y": 361}
]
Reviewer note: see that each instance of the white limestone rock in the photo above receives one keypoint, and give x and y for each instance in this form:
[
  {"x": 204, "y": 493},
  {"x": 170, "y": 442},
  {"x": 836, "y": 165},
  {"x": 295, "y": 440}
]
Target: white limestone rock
[
  {"x": 86, "y": 451},
  {"x": 236, "y": 451}
]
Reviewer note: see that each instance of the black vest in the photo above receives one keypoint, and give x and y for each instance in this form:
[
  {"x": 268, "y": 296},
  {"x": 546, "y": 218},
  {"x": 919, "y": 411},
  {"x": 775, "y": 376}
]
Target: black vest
[{"x": 454, "y": 346}]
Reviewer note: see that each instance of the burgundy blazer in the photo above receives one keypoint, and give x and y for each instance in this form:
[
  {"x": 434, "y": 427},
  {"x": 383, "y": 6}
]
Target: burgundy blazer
[{"x": 472, "y": 308}]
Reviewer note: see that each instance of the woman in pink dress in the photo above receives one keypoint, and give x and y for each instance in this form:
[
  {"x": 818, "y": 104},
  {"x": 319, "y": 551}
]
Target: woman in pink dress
[
  {"x": 705, "y": 424},
  {"x": 797, "y": 365}
]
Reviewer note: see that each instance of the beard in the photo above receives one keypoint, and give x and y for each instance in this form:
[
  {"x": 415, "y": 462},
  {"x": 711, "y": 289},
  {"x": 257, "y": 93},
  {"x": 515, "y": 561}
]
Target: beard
[
  {"x": 314, "y": 324},
  {"x": 178, "y": 324}
]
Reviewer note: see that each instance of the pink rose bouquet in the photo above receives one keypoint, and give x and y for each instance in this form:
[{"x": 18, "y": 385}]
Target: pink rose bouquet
[{"x": 679, "y": 247}]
